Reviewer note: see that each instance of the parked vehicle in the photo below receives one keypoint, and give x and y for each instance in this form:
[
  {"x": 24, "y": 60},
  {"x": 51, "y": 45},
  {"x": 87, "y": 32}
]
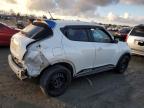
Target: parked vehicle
[
  {"x": 20, "y": 24},
  {"x": 6, "y": 33},
  {"x": 136, "y": 40},
  {"x": 114, "y": 32},
  {"x": 58, "y": 50},
  {"x": 123, "y": 33}
]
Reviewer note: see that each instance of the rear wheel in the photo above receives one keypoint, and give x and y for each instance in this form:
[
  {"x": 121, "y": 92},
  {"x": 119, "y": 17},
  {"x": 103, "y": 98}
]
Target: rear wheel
[
  {"x": 55, "y": 80},
  {"x": 122, "y": 64}
]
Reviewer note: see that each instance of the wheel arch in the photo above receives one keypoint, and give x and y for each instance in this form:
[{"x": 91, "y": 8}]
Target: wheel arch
[
  {"x": 126, "y": 53},
  {"x": 66, "y": 64}
]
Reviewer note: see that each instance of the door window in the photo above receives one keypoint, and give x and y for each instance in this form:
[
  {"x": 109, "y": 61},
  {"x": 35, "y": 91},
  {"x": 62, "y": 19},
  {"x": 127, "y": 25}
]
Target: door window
[
  {"x": 77, "y": 34},
  {"x": 99, "y": 35}
]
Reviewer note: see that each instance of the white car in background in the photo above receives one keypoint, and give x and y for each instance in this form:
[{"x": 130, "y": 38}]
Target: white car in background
[
  {"x": 58, "y": 50},
  {"x": 135, "y": 40}
]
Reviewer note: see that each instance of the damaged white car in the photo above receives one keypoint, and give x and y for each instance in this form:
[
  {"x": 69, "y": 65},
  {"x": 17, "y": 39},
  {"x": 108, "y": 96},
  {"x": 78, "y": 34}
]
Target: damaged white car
[{"x": 58, "y": 50}]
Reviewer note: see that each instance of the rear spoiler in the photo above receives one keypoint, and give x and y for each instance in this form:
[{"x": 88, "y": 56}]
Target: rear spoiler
[{"x": 45, "y": 23}]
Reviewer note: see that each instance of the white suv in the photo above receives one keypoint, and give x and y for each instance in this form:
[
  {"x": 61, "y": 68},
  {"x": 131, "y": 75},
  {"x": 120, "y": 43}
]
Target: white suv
[
  {"x": 58, "y": 51},
  {"x": 135, "y": 40}
]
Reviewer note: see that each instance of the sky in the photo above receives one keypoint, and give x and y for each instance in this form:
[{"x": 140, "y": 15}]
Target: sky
[{"x": 126, "y": 12}]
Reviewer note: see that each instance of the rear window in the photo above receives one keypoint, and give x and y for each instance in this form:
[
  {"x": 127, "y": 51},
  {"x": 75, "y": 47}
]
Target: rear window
[
  {"x": 138, "y": 31},
  {"x": 125, "y": 31},
  {"x": 37, "y": 31}
]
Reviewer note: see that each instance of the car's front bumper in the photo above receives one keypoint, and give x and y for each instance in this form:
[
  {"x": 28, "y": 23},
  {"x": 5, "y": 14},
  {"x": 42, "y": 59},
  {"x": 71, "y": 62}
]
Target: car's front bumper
[{"x": 19, "y": 71}]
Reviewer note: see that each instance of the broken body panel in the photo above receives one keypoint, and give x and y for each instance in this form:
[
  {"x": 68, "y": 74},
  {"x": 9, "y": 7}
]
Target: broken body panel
[{"x": 28, "y": 54}]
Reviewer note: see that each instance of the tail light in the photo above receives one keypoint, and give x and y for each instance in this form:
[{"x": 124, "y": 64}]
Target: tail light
[{"x": 126, "y": 38}]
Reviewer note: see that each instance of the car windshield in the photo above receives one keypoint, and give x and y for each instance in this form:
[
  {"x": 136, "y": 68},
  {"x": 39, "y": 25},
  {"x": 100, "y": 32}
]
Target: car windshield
[
  {"x": 32, "y": 30},
  {"x": 138, "y": 31}
]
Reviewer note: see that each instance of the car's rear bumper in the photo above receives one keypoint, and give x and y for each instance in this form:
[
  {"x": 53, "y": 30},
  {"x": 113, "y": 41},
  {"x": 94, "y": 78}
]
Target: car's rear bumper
[
  {"x": 138, "y": 52},
  {"x": 20, "y": 72}
]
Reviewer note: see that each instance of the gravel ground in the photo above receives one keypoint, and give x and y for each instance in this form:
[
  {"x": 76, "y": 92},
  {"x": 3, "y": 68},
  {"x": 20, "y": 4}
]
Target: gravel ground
[{"x": 104, "y": 90}]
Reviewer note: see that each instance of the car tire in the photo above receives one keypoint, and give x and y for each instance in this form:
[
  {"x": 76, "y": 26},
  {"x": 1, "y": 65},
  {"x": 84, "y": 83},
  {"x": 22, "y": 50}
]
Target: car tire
[
  {"x": 55, "y": 80},
  {"x": 122, "y": 64}
]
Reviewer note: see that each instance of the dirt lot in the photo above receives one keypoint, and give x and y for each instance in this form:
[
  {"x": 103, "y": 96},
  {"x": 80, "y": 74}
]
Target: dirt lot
[{"x": 106, "y": 90}]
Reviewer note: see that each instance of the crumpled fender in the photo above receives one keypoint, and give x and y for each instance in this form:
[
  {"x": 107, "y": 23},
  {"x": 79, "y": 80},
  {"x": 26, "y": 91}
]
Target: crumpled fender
[{"x": 35, "y": 62}]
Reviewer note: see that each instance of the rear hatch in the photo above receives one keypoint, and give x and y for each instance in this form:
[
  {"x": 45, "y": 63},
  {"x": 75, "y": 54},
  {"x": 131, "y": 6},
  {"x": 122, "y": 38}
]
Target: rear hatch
[
  {"x": 18, "y": 45},
  {"x": 32, "y": 33},
  {"x": 136, "y": 38}
]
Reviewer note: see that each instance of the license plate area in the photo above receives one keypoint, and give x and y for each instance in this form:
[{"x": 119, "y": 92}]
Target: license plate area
[{"x": 139, "y": 42}]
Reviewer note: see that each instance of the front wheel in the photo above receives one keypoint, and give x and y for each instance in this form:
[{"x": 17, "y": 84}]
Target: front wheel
[
  {"x": 122, "y": 64},
  {"x": 55, "y": 80}
]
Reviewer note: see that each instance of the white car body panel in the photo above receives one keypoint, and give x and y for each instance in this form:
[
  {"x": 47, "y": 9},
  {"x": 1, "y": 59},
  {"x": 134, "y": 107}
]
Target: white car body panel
[
  {"x": 80, "y": 53},
  {"x": 105, "y": 54}
]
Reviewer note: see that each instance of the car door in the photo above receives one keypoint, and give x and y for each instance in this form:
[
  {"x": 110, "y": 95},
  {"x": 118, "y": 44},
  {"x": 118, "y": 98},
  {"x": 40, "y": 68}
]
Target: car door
[
  {"x": 105, "y": 49},
  {"x": 78, "y": 49}
]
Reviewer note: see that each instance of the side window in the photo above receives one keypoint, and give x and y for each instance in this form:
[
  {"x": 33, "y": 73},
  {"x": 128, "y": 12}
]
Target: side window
[
  {"x": 77, "y": 34},
  {"x": 100, "y": 36},
  {"x": 45, "y": 33}
]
